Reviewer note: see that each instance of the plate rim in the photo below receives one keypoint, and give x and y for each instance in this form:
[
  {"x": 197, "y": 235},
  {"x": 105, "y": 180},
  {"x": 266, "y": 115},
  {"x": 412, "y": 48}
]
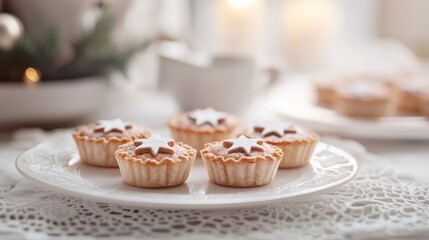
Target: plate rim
[{"x": 204, "y": 204}]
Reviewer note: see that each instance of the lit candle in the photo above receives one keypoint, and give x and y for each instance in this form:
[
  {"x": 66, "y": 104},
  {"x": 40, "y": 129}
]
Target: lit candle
[
  {"x": 237, "y": 27},
  {"x": 31, "y": 76},
  {"x": 308, "y": 28}
]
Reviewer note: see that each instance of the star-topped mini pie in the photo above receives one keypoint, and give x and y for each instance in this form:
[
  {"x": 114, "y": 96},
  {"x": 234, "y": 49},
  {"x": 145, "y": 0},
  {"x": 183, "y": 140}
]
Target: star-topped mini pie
[
  {"x": 241, "y": 162},
  {"x": 155, "y": 162},
  {"x": 97, "y": 142},
  {"x": 201, "y": 126},
  {"x": 296, "y": 142}
]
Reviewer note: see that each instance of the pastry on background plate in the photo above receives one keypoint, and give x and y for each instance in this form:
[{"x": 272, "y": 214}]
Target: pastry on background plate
[
  {"x": 424, "y": 104},
  {"x": 325, "y": 88},
  {"x": 98, "y": 142},
  {"x": 325, "y": 92},
  {"x": 155, "y": 162},
  {"x": 296, "y": 142},
  {"x": 364, "y": 98},
  {"x": 202, "y": 126},
  {"x": 241, "y": 162},
  {"x": 408, "y": 94}
]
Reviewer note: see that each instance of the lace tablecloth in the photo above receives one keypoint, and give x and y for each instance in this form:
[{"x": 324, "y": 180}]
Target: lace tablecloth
[{"x": 381, "y": 203}]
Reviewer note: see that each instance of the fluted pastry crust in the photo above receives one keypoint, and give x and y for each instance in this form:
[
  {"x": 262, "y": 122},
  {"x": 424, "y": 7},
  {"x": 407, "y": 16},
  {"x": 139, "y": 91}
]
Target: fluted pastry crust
[
  {"x": 297, "y": 147},
  {"x": 155, "y": 172},
  {"x": 100, "y": 150},
  {"x": 241, "y": 171}
]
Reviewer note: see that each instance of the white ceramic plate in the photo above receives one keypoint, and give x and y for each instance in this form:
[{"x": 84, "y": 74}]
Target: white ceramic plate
[
  {"x": 295, "y": 100},
  {"x": 57, "y": 166}
]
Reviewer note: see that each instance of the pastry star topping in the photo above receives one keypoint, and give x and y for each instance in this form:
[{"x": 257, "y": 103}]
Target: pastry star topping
[
  {"x": 243, "y": 145},
  {"x": 154, "y": 146},
  {"x": 208, "y": 115},
  {"x": 274, "y": 130},
  {"x": 115, "y": 125}
]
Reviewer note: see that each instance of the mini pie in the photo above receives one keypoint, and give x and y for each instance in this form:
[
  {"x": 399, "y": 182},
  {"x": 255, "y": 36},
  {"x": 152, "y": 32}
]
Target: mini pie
[
  {"x": 364, "y": 98},
  {"x": 424, "y": 104},
  {"x": 97, "y": 143},
  {"x": 325, "y": 92},
  {"x": 408, "y": 94},
  {"x": 202, "y": 126},
  {"x": 241, "y": 162},
  {"x": 325, "y": 89},
  {"x": 155, "y": 162},
  {"x": 296, "y": 142}
]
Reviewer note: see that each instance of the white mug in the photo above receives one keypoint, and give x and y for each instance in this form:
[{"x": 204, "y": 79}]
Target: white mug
[{"x": 226, "y": 83}]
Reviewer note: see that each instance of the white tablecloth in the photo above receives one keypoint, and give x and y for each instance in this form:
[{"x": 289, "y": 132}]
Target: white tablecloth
[{"x": 388, "y": 200}]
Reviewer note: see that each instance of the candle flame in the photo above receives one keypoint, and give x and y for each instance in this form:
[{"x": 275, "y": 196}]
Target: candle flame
[{"x": 31, "y": 76}]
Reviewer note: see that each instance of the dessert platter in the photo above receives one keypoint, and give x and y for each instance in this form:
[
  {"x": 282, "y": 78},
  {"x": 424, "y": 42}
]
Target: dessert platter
[
  {"x": 361, "y": 106},
  {"x": 208, "y": 161}
]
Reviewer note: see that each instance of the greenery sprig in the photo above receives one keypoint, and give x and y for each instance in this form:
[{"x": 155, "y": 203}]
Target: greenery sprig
[{"x": 93, "y": 54}]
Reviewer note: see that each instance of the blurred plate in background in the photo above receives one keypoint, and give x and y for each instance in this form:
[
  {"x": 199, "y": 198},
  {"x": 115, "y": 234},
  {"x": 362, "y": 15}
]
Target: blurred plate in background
[
  {"x": 295, "y": 100},
  {"x": 49, "y": 101}
]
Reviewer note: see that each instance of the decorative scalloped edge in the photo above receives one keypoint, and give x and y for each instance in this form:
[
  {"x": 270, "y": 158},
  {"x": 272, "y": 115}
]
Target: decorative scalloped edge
[
  {"x": 174, "y": 125},
  {"x": 121, "y": 154},
  {"x": 209, "y": 156}
]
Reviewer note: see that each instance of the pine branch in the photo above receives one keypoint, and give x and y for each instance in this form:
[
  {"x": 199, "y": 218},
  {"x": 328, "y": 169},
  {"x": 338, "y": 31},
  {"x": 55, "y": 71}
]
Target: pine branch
[
  {"x": 94, "y": 54},
  {"x": 98, "y": 39},
  {"x": 103, "y": 62},
  {"x": 49, "y": 48},
  {"x": 30, "y": 52}
]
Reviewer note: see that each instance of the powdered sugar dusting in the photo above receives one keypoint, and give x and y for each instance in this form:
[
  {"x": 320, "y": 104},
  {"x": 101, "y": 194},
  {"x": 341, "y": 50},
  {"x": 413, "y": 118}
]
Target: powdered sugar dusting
[
  {"x": 207, "y": 116},
  {"x": 154, "y": 146},
  {"x": 243, "y": 144},
  {"x": 115, "y": 125},
  {"x": 365, "y": 89}
]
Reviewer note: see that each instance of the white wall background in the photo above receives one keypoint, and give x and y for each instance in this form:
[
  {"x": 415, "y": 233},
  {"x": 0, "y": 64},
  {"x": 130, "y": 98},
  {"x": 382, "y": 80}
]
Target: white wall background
[{"x": 407, "y": 21}]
